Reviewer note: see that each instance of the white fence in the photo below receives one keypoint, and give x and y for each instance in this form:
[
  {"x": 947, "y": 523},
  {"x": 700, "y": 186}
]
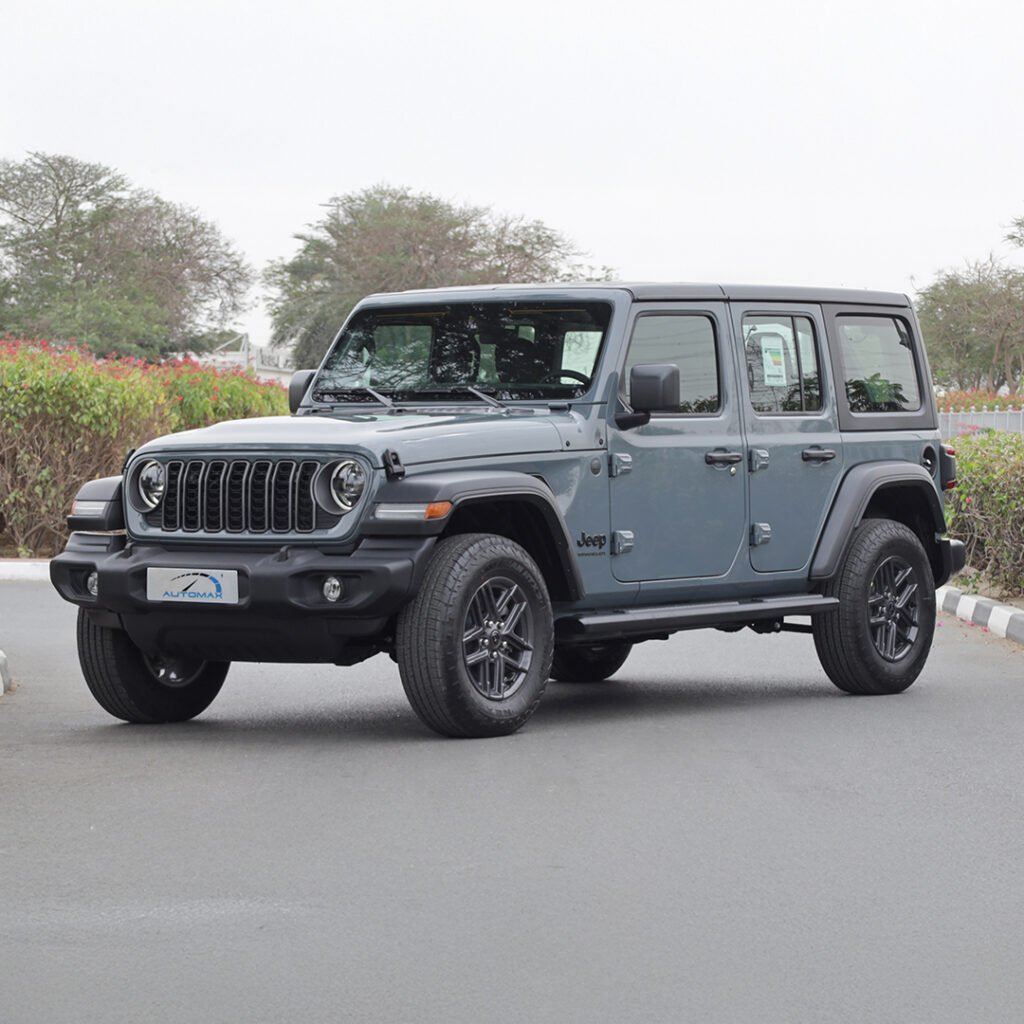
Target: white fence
[{"x": 952, "y": 424}]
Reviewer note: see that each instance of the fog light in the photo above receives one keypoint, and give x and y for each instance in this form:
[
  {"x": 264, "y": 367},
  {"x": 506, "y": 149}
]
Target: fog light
[
  {"x": 92, "y": 583},
  {"x": 332, "y": 588}
]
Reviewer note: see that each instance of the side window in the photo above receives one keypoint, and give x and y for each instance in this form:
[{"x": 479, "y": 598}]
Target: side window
[
  {"x": 878, "y": 362},
  {"x": 782, "y": 363},
  {"x": 688, "y": 340}
]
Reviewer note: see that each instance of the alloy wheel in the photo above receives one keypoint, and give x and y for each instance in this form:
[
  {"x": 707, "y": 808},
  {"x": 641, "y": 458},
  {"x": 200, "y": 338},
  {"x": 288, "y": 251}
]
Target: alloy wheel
[
  {"x": 497, "y": 638},
  {"x": 893, "y": 608}
]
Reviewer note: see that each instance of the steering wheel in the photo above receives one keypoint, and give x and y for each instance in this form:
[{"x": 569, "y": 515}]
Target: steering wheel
[{"x": 557, "y": 375}]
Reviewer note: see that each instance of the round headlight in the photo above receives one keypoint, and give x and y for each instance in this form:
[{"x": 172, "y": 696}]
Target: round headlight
[
  {"x": 151, "y": 484},
  {"x": 347, "y": 483}
]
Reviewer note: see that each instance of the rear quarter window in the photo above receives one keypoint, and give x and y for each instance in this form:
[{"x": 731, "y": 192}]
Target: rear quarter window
[{"x": 880, "y": 370}]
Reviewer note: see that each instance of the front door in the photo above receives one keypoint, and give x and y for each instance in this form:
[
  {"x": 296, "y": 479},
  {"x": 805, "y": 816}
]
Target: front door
[
  {"x": 795, "y": 456},
  {"x": 678, "y": 497}
]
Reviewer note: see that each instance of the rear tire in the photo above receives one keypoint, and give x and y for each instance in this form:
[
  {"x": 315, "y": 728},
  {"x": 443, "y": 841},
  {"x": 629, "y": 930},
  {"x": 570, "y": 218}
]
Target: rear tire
[
  {"x": 136, "y": 688},
  {"x": 878, "y": 640},
  {"x": 588, "y": 663},
  {"x": 474, "y": 646}
]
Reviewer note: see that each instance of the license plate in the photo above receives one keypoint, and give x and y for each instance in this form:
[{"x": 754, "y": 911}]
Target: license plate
[{"x": 193, "y": 586}]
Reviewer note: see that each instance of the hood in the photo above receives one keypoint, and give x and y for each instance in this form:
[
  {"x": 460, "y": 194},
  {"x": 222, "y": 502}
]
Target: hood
[{"x": 417, "y": 437}]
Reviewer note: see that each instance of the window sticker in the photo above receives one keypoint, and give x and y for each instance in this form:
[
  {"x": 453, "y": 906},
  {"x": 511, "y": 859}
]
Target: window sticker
[{"x": 774, "y": 363}]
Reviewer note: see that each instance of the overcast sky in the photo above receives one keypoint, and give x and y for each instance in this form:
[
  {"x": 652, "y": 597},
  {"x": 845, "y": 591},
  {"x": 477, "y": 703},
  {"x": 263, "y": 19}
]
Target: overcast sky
[{"x": 866, "y": 145}]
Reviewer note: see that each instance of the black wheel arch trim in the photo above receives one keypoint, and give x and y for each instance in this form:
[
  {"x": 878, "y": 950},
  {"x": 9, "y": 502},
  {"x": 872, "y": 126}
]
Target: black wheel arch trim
[
  {"x": 106, "y": 489},
  {"x": 862, "y": 483},
  {"x": 476, "y": 487}
]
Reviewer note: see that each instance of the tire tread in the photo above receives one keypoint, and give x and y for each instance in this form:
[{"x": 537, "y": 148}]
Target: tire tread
[
  {"x": 424, "y": 662},
  {"x": 122, "y": 685},
  {"x": 841, "y": 635}
]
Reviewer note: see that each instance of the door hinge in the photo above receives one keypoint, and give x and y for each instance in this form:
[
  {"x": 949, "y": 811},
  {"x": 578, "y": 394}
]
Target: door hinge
[
  {"x": 622, "y": 541},
  {"x": 760, "y": 533},
  {"x": 759, "y": 459},
  {"x": 619, "y": 464}
]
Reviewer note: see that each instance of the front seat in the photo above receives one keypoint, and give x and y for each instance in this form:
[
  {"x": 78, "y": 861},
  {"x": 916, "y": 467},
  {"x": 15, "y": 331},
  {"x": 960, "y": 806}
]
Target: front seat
[
  {"x": 454, "y": 359},
  {"x": 518, "y": 361}
]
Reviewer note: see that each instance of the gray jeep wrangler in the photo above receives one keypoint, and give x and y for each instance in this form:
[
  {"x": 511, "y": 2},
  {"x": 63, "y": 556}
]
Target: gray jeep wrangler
[{"x": 498, "y": 485}]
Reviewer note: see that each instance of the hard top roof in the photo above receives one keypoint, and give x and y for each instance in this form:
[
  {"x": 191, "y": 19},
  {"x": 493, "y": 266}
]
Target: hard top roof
[{"x": 649, "y": 291}]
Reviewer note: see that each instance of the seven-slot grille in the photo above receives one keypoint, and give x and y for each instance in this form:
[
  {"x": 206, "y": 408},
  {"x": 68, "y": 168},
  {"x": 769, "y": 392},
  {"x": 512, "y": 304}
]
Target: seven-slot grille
[{"x": 241, "y": 496}]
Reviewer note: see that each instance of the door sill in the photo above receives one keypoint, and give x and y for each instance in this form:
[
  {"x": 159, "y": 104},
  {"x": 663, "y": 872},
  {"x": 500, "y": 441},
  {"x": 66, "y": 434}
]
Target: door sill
[{"x": 662, "y": 619}]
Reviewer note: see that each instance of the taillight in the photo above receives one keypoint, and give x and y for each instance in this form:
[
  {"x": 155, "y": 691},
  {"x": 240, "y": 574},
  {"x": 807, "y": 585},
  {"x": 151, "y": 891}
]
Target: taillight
[{"x": 947, "y": 467}]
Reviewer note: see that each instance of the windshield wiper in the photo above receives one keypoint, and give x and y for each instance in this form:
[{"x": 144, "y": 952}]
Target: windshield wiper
[
  {"x": 383, "y": 399},
  {"x": 454, "y": 389},
  {"x": 484, "y": 397}
]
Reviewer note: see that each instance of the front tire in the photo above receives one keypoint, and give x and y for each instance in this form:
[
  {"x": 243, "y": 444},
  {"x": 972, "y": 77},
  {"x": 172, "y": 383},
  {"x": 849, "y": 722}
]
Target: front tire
[
  {"x": 136, "y": 688},
  {"x": 588, "y": 663},
  {"x": 878, "y": 640},
  {"x": 474, "y": 646}
]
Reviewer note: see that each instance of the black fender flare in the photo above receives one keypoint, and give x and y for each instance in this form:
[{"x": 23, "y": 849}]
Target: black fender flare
[
  {"x": 106, "y": 491},
  {"x": 855, "y": 492},
  {"x": 474, "y": 487}
]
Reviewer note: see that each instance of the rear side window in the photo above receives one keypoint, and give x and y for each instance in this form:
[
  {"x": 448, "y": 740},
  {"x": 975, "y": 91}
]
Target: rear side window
[
  {"x": 782, "y": 364},
  {"x": 879, "y": 366},
  {"x": 688, "y": 341}
]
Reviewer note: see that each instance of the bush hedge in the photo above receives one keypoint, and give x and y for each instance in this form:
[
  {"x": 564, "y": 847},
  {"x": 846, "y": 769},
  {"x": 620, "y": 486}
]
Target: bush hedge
[
  {"x": 976, "y": 400},
  {"x": 67, "y": 417},
  {"x": 986, "y": 509}
]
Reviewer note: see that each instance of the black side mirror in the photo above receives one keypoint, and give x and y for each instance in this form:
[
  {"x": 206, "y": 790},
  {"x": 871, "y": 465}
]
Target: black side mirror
[
  {"x": 653, "y": 387},
  {"x": 298, "y": 387}
]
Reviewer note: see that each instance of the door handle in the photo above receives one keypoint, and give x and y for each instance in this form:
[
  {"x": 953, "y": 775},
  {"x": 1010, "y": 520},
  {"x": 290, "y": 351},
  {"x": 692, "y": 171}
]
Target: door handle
[
  {"x": 817, "y": 455},
  {"x": 723, "y": 458}
]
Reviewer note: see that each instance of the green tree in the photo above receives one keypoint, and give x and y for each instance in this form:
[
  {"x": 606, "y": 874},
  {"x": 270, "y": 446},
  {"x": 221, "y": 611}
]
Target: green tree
[
  {"x": 1016, "y": 232},
  {"x": 390, "y": 239},
  {"x": 85, "y": 254},
  {"x": 973, "y": 324}
]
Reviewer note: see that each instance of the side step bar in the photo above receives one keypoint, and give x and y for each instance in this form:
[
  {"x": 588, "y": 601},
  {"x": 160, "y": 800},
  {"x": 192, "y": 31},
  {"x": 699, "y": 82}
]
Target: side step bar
[{"x": 660, "y": 619}]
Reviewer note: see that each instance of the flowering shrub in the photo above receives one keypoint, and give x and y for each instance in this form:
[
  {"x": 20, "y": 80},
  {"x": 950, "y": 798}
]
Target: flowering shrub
[
  {"x": 978, "y": 401},
  {"x": 67, "y": 417},
  {"x": 986, "y": 510}
]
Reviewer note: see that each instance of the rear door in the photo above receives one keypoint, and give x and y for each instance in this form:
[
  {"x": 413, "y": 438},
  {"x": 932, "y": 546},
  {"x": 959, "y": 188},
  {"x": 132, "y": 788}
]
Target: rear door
[
  {"x": 677, "y": 491},
  {"x": 795, "y": 451}
]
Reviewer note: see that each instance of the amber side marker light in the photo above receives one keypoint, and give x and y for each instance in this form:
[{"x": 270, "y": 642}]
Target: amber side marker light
[{"x": 438, "y": 509}]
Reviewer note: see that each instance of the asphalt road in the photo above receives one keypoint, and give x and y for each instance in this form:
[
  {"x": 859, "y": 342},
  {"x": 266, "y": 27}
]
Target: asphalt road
[{"x": 715, "y": 835}]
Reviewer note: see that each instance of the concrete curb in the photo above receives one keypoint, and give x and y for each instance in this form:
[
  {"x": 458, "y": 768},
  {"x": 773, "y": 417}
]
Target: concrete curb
[
  {"x": 1002, "y": 619},
  {"x": 24, "y": 568}
]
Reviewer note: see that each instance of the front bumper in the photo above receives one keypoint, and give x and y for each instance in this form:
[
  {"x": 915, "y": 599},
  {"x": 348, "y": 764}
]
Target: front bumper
[{"x": 281, "y": 613}]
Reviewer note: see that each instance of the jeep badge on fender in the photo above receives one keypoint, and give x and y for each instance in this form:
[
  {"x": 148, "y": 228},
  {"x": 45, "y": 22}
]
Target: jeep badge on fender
[{"x": 447, "y": 475}]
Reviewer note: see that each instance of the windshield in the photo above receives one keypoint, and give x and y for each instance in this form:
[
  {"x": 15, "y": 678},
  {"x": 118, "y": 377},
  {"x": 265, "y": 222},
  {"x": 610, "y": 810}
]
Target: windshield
[{"x": 512, "y": 350}]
